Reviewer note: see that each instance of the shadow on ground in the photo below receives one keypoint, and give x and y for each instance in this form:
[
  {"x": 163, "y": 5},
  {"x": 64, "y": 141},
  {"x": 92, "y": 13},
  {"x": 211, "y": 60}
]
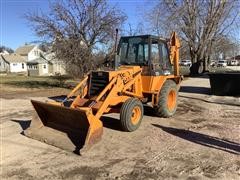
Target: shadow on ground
[
  {"x": 216, "y": 101},
  {"x": 195, "y": 90},
  {"x": 202, "y": 139},
  {"x": 58, "y": 98},
  {"x": 23, "y": 123},
  {"x": 111, "y": 123},
  {"x": 149, "y": 111}
]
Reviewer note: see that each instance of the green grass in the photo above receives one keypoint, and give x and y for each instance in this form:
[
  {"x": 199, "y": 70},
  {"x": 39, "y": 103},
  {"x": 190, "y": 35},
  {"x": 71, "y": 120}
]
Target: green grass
[{"x": 38, "y": 81}]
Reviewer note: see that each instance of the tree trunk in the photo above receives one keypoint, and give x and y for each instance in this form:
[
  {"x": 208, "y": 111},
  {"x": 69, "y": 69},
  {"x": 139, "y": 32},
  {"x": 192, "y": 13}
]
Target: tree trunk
[
  {"x": 197, "y": 64},
  {"x": 206, "y": 64},
  {"x": 197, "y": 68}
]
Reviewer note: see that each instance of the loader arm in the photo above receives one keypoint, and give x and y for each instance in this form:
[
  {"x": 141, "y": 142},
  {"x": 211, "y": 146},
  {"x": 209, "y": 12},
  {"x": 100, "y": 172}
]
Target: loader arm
[
  {"x": 78, "y": 87},
  {"x": 129, "y": 85},
  {"x": 113, "y": 92},
  {"x": 136, "y": 82}
]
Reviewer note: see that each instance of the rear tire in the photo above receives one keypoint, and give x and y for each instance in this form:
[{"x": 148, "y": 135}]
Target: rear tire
[
  {"x": 131, "y": 114},
  {"x": 168, "y": 97}
]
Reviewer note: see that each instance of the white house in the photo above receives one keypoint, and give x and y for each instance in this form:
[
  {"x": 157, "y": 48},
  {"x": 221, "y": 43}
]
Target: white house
[
  {"x": 40, "y": 63},
  {"x": 39, "y": 67},
  {"x": 57, "y": 66},
  {"x": 4, "y": 52},
  {"x": 29, "y": 52},
  {"x": 15, "y": 63}
]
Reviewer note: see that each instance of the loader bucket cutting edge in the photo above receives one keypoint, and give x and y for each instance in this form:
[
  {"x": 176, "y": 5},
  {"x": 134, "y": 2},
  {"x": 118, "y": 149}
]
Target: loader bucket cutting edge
[{"x": 63, "y": 127}]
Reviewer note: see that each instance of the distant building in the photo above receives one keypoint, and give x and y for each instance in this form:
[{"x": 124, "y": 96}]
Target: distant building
[
  {"x": 39, "y": 67},
  {"x": 40, "y": 63},
  {"x": 29, "y": 52},
  {"x": 13, "y": 63},
  {"x": 57, "y": 66},
  {"x": 4, "y": 52},
  {"x": 237, "y": 59}
]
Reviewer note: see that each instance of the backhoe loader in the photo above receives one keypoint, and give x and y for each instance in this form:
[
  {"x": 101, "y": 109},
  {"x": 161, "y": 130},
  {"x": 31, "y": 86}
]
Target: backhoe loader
[{"x": 146, "y": 72}]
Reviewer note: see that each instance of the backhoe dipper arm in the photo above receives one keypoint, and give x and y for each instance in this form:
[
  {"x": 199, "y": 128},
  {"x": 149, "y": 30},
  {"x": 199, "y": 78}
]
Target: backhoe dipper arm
[{"x": 174, "y": 52}]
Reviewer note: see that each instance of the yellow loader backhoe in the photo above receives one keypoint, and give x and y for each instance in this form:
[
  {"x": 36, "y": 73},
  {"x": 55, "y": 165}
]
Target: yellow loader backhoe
[{"x": 147, "y": 71}]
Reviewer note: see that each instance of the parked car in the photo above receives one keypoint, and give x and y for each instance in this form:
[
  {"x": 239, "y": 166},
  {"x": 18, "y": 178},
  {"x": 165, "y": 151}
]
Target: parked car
[
  {"x": 213, "y": 63},
  {"x": 232, "y": 62},
  {"x": 222, "y": 63},
  {"x": 185, "y": 63}
]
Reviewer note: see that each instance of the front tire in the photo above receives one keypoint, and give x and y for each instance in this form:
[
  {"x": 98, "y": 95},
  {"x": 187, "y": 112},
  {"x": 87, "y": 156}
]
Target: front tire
[
  {"x": 131, "y": 114},
  {"x": 168, "y": 97}
]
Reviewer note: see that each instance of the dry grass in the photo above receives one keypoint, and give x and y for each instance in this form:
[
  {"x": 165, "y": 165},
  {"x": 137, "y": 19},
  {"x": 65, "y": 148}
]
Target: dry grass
[{"x": 38, "y": 81}]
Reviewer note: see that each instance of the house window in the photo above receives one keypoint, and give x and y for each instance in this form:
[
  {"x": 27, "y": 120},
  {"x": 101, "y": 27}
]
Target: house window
[
  {"x": 32, "y": 66},
  {"x": 36, "y": 53},
  {"x": 44, "y": 66},
  {"x": 22, "y": 65}
]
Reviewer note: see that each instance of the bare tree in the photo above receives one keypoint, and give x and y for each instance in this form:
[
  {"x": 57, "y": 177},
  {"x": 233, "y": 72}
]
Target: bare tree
[
  {"x": 8, "y": 49},
  {"x": 225, "y": 46},
  {"x": 77, "y": 28},
  {"x": 198, "y": 22},
  {"x": 133, "y": 31}
]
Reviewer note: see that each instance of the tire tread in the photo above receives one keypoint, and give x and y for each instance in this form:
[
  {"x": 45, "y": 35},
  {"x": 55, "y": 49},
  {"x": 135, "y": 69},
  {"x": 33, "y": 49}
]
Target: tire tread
[
  {"x": 124, "y": 114},
  {"x": 161, "y": 110}
]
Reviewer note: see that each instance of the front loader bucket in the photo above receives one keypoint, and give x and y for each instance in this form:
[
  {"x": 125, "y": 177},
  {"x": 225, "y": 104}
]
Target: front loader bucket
[{"x": 67, "y": 128}]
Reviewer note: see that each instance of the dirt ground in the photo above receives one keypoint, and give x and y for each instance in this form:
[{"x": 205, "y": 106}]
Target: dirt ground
[{"x": 201, "y": 141}]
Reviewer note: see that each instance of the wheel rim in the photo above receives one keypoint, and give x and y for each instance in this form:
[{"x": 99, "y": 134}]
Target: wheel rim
[
  {"x": 171, "y": 103},
  {"x": 136, "y": 114}
]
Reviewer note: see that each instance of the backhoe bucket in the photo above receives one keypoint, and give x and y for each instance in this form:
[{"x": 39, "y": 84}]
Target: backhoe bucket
[{"x": 67, "y": 128}]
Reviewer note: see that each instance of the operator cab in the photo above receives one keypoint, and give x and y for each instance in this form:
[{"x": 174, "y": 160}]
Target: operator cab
[{"x": 149, "y": 52}]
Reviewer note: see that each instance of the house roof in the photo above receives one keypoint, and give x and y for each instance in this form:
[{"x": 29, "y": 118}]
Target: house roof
[
  {"x": 39, "y": 60},
  {"x": 236, "y": 57},
  {"x": 13, "y": 58},
  {"x": 4, "y": 52},
  {"x": 24, "y": 50}
]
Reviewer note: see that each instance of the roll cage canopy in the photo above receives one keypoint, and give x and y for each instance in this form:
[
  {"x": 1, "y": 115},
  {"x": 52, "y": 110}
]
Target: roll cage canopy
[{"x": 139, "y": 50}]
